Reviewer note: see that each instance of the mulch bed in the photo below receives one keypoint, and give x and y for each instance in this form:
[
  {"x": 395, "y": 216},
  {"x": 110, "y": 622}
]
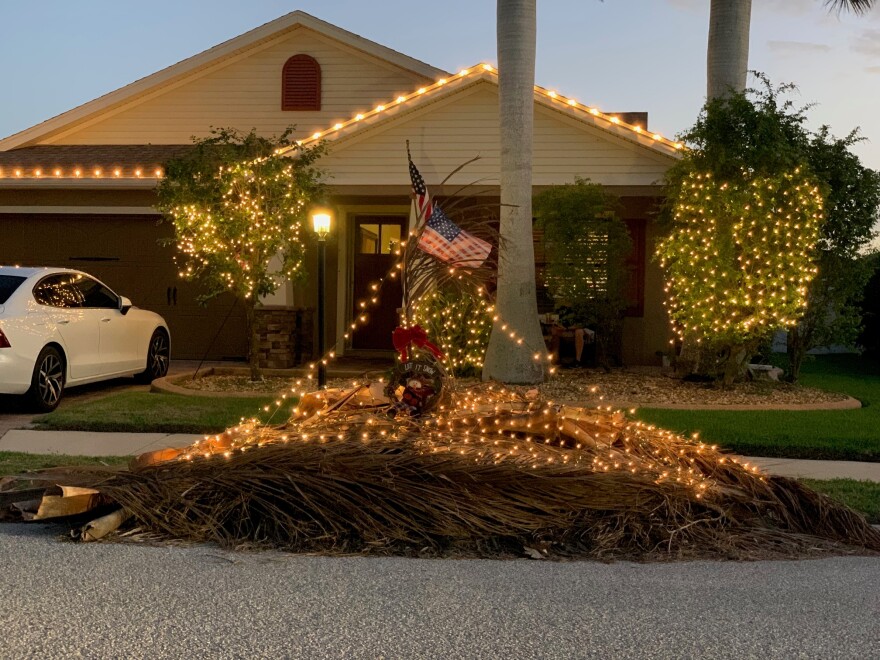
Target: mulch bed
[
  {"x": 644, "y": 387},
  {"x": 215, "y": 383},
  {"x": 620, "y": 387}
]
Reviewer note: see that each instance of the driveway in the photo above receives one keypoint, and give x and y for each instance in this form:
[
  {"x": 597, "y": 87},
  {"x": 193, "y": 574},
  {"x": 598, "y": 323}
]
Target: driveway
[{"x": 63, "y": 600}]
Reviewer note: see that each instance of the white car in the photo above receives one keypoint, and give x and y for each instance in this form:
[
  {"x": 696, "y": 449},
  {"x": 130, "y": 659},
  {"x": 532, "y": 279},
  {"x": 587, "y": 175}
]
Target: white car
[{"x": 61, "y": 327}]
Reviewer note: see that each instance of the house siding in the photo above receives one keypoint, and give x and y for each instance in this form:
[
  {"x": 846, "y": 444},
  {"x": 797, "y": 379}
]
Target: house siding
[
  {"x": 245, "y": 92},
  {"x": 445, "y": 134}
]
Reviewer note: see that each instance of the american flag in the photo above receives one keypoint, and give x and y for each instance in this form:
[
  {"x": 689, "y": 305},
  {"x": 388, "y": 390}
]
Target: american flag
[{"x": 442, "y": 238}]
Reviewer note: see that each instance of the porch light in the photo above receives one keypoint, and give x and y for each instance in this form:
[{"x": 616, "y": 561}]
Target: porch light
[{"x": 321, "y": 224}]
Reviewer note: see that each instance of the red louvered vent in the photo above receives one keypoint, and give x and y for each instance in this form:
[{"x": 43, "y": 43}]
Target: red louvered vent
[{"x": 301, "y": 84}]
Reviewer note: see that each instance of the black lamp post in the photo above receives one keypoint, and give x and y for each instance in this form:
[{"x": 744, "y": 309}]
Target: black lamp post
[{"x": 321, "y": 224}]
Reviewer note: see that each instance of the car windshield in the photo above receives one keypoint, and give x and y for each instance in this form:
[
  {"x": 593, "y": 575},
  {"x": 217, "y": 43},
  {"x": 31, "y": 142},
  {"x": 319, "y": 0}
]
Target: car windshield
[{"x": 8, "y": 285}]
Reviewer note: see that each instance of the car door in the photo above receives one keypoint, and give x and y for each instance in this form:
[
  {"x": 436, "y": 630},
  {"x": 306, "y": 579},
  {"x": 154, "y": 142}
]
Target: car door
[
  {"x": 118, "y": 338},
  {"x": 60, "y": 299}
]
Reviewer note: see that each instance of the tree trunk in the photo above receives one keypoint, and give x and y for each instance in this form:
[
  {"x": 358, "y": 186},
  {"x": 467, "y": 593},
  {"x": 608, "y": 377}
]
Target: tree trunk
[
  {"x": 796, "y": 347},
  {"x": 250, "y": 308},
  {"x": 516, "y": 302},
  {"x": 727, "y": 59}
]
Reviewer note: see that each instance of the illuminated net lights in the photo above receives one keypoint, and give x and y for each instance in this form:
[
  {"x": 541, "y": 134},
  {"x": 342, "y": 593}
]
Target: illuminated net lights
[{"x": 740, "y": 256}]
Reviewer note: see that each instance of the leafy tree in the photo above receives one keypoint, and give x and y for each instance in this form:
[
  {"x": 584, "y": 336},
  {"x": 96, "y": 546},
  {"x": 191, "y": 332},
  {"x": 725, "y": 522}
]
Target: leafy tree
[
  {"x": 585, "y": 247},
  {"x": 869, "y": 338},
  {"x": 738, "y": 260},
  {"x": 741, "y": 143},
  {"x": 852, "y": 208},
  {"x": 760, "y": 131},
  {"x": 239, "y": 207}
]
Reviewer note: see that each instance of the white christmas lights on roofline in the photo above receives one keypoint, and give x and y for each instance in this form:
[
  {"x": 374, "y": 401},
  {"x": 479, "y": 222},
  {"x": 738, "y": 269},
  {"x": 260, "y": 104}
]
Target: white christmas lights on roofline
[
  {"x": 138, "y": 172},
  {"x": 79, "y": 172},
  {"x": 481, "y": 69}
]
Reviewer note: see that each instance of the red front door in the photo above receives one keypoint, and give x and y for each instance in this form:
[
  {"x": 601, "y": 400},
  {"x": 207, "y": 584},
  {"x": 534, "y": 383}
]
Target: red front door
[{"x": 376, "y": 238}]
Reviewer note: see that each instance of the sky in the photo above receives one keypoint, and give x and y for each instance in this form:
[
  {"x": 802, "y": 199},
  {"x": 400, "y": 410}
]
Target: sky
[{"x": 619, "y": 55}]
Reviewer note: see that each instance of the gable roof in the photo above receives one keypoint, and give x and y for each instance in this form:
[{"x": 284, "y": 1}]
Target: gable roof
[
  {"x": 447, "y": 85},
  {"x": 208, "y": 58}
]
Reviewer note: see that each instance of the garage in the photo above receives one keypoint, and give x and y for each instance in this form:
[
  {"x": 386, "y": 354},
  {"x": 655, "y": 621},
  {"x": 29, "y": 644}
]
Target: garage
[{"x": 127, "y": 253}]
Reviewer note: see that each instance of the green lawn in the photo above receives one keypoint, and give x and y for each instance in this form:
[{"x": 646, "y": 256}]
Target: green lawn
[
  {"x": 150, "y": 412},
  {"x": 833, "y": 434},
  {"x": 13, "y": 462},
  {"x": 862, "y": 496}
]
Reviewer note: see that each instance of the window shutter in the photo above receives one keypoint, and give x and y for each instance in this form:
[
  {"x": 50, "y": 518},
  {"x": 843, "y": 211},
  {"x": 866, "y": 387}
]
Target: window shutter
[
  {"x": 301, "y": 84},
  {"x": 635, "y": 265}
]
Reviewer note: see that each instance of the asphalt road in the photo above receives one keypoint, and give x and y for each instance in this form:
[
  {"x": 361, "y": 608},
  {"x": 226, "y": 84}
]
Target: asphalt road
[{"x": 60, "y": 599}]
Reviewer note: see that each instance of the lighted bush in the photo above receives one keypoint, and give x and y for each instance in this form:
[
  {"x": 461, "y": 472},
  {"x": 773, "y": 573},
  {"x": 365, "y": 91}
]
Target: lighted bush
[
  {"x": 738, "y": 259},
  {"x": 459, "y": 322}
]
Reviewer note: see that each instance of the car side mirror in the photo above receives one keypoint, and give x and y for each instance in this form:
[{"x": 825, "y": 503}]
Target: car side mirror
[{"x": 124, "y": 305}]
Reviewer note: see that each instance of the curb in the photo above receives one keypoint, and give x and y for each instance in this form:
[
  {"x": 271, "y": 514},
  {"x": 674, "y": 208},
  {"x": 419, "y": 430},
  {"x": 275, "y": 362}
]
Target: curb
[
  {"x": 846, "y": 404},
  {"x": 166, "y": 386}
]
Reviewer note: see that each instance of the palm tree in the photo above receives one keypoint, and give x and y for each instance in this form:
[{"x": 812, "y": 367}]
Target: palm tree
[
  {"x": 727, "y": 60},
  {"x": 512, "y": 360}
]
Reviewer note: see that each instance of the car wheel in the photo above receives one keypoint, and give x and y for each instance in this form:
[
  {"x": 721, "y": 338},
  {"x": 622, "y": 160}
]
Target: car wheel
[
  {"x": 47, "y": 383},
  {"x": 158, "y": 357}
]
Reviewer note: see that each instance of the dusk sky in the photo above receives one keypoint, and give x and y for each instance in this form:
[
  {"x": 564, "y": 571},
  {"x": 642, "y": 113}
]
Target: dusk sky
[{"x": 619, "y": 55}]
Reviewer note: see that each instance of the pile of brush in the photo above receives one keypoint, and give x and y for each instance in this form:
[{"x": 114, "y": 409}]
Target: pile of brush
[{"x": 488, "y": 472}]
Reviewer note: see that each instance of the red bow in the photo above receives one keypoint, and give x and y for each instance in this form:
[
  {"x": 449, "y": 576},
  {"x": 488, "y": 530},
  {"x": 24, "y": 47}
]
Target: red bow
[{"x": 403, "y": 337}]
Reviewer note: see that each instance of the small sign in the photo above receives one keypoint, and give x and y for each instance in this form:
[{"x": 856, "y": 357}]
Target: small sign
[{"x": 415, "y": 386}]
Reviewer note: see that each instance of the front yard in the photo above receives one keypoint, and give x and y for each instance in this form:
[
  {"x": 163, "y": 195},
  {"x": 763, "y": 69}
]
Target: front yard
[
  {"x": 845, "y": 435},
  {"x": 148, "y": 412}
]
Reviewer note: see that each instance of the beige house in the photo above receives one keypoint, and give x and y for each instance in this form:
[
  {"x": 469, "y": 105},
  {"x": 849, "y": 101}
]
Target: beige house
[{"x": 78, "y": 190}]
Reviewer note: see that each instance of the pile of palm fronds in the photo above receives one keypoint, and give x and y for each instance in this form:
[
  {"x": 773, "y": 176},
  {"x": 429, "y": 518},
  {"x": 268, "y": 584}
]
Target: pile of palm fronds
[{"x": 490, "y": 472}]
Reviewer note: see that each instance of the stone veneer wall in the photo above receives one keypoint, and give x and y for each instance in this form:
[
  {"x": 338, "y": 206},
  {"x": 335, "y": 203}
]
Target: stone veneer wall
[{"x": 285, "y": 336}]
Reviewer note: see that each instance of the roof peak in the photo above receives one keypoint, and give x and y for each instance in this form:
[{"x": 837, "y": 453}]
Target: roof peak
[{"x": 207, "y": 58}]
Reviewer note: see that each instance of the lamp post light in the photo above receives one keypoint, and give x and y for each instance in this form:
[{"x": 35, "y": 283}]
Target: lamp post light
[{"x": 321, "y": 225}]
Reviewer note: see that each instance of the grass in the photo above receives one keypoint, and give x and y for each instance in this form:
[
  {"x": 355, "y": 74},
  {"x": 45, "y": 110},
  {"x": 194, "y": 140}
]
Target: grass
[
  {"x": 148, "y": 412},
  {"x": 850, "y": 435},
  {"x": 862, "y": 496},
  {"x": 14, "y": 462}
]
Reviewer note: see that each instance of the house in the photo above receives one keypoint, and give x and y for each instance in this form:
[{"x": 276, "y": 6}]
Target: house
[{"x": 77, "y": 190}]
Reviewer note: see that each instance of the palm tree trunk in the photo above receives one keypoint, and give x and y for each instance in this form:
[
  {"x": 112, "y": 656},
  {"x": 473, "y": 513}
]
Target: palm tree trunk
[
  {"x": 516, "y": 302},
  {"x": 727, "y": 60}
]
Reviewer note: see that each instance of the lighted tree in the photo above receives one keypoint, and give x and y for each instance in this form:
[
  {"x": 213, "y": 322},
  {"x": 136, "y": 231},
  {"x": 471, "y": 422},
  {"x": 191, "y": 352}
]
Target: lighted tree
[
  {"x": 239, "y": 210},
  {"x": 739, "y": 260},
  {"x": 762, "y": 131}
]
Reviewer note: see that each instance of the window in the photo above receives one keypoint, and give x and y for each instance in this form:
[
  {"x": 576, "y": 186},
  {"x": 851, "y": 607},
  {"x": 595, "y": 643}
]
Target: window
[
  {"x": 301, "y": 84},
  {"x": 96, "y": 295},
  {"x": 58, "y": 291},
  {"x": 378, "y": 239},
  {"x": 8, "y": 285},
  {"x": 592, "y": 278}
]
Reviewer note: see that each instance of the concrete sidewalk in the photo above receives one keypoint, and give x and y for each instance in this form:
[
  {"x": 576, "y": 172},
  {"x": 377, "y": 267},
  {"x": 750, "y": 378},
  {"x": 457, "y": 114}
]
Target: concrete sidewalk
[
  {"x": 791, "y": 467},
  {"x": 85, "y": 443},
  {"x": 82, "y": 443}
]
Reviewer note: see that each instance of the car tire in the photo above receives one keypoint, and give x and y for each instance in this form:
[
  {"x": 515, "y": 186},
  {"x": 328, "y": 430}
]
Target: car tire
[
  {"x": 158, "y": 357},
  {"x": 47, "y": 382}
]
